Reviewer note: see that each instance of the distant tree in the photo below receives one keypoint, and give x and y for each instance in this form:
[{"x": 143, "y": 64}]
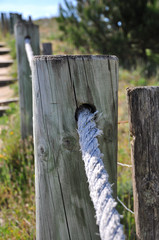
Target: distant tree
[
  {"x": 140, "y": 24},
  {"x": 126, "y": 28}
]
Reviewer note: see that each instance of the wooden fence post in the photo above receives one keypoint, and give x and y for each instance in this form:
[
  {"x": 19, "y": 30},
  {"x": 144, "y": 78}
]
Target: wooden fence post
[
  {"x": 16, "y": 18},
  {"x": 60, "y": 85},
  {"x": 11, "y": 24},
  {"x": 6, "y": 23},
  {"x": 3, "y": 23},
  {"x": 144, "y": 127},
  {"x": 12, "y": 20},
  {"x": 23, "y": 30},
  {"x": 47, "y": 48}
]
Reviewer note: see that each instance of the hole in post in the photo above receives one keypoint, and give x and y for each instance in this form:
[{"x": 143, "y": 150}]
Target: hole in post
[
  {"x": 91, "y": 107},
  {"x": 27, "y": 37}
]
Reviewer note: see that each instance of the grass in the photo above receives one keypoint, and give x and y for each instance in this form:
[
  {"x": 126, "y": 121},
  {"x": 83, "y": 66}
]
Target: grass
[
  {"x": 17, "y": 211},
  {"x": 17, "y": 194},
  {"x": 49, "y": 32}
]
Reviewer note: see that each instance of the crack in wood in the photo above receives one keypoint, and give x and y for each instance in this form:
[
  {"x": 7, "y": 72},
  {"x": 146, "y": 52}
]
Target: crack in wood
[
  {"x": 64, "y": 207},
  {"x": 72, "y": 82}
]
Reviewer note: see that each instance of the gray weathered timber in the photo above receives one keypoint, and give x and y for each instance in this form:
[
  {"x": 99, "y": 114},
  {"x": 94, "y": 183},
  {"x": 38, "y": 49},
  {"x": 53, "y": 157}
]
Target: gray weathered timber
[
  {"x": 22, "y": 30},
  {"x": 14, "y": 18},
  {"x": 47, "y": 48},
  {"x": 11, "y": 23},
  {"x": 3, "y": 23},
  {"x": 64, "y": 210},
  {"x": 143, "y": 105},
  {"x": 17, "y": 18}
]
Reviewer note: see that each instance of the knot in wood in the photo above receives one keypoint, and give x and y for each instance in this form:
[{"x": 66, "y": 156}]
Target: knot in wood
[
  {"x": 42, "y": 152},
  {"x": 69, "y": 142},
  {"x": 108, "y": 132}
]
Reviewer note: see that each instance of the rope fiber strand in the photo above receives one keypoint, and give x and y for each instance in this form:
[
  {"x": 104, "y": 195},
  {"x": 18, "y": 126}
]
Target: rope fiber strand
[{"x": 107, "y": 216}]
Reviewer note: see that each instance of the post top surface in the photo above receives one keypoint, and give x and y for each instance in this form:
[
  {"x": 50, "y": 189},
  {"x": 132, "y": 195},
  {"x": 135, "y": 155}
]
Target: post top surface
[
  {"x": 141, "y": 88},
  {"x": 62, "y": 57},
  {"x": 22, "y": 23}
]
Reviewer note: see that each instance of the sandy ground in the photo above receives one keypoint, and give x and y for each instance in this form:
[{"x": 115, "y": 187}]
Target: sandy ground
[{"x": 5, "y": 93}]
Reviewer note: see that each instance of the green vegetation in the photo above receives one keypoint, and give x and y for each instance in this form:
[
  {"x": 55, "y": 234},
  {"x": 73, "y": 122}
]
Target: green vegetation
[
  {"x": 17, "y": 197},
  {"x": 124, "y": 28},
  {"x": 17, "y": 193},
  {"x": 17, "y": 211}
]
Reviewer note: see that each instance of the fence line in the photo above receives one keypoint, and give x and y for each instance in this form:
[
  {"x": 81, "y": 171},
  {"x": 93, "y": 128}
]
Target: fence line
[
  {"x": 79, "y": 74},
  {"x": 23, "y": 31},
  {"x": 8, "y": 21}
]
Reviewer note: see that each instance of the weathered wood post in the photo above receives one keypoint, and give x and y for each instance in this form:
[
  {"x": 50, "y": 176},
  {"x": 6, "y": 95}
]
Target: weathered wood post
[
  {"x": 23, "y": 30},
  {"x": 3, "y": 23},
  {"x": 7, "y": 22},
  {"x": 60, "y": 85},
  {"x": 11, "y": 23},
  {"x": 14, "y": 18},
  {"x": 143, "y": 105},
  {"x": 47, "y": 48}
]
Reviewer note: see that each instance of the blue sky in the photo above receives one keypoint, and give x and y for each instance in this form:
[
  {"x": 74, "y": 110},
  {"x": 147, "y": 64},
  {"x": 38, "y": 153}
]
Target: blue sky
[{"x": 35, "y": 8}]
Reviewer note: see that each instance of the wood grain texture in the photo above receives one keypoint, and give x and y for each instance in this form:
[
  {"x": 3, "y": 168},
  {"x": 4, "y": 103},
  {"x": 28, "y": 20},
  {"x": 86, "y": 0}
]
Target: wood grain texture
[
  {"x": 3, "y": 25},
  {"x": 22, "y": 30},
  {"x": 60, "y": 85},
  {"x": 143, "y": 105}
]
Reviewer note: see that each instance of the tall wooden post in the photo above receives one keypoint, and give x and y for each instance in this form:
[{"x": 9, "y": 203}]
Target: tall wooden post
[
  {"x": 47, "y": 48},
  {"x": 144, "y": 127},
  {"x": 3, "y": 23},
  {"x": 23, "y": 30},
  {"x": 7, "y": 22},
  {"x": 11, "y": 24},
  {"x": 14, "y": 18},
  {"x": 60, "y": 85}
]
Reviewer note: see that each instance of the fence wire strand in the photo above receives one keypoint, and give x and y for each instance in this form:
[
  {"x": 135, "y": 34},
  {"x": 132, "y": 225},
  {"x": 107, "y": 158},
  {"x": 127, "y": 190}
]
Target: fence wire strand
[{"x": 129, "y": 210}]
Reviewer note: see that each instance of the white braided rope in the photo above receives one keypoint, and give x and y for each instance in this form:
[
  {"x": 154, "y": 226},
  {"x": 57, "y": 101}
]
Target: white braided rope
[
  {"x": 107, "y": 216},
  {"x": 29, "y": 51}
]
